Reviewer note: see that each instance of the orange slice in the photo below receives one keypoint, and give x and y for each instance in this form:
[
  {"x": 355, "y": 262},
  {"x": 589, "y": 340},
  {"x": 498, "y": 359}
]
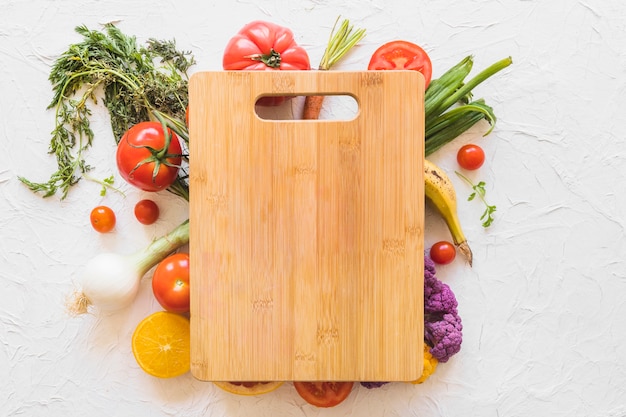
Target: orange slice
[
  {"x": 161, "y": 344},
  {"x": 249, "y": 388}
]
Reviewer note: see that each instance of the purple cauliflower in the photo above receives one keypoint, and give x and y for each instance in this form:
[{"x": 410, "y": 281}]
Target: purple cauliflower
[
  {"x": 370, "y": 385},
  {"x": 443, "y": 329}
]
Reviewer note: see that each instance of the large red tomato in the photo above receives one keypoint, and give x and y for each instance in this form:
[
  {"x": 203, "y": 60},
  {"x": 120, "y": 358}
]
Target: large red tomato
[
  {"x": 170, "y": 283},
  {"x": 323, "y": 394},
  {"x": 265, "y": 46},
  {"x": 145, "y": 160}
]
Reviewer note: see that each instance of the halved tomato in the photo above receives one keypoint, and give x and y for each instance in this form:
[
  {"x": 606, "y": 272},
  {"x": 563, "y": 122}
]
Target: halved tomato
[
  {"x": 248, "y": 388},
  {"x": 402, "y": 55},
  {"x": 323, "y": 394}
]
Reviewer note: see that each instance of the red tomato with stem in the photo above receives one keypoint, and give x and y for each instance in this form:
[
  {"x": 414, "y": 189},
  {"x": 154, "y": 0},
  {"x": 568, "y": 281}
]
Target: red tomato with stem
[
  {"x": 402, "y": 55},
  {"x": 146, "y": 211},
  {"x": 148, "y": 158},
  {"x": 170, "y": 283},
  {"x": 102, "y": 219},
  {"x": 443, "y": 252},
  {"x": 265, "y": 46},
  {"x": 470, "y": 157},
  {"x": 323, "y": 394}
]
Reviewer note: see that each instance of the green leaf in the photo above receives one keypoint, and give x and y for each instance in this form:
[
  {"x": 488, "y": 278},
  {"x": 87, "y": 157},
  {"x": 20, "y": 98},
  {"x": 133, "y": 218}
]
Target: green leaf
[{"x": 479, "y": 189}]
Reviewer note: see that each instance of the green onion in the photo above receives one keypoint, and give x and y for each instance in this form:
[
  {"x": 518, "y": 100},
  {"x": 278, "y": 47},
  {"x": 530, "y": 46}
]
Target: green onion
[{"x": 444, "y": 125}]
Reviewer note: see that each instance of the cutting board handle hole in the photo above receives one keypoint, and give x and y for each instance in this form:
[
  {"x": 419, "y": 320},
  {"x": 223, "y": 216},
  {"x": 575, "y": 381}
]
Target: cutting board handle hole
[{"x": 344, "y": 108}]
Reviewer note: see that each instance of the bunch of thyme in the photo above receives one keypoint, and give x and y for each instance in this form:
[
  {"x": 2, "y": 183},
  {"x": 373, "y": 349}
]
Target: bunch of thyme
[{"x": 136, "y": 83}]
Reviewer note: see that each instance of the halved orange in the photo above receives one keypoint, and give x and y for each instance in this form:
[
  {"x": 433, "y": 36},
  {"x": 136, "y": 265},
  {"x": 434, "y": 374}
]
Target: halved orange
[
  {"x": 248, "y": 388},
  {"x": 161, "y": 344}
]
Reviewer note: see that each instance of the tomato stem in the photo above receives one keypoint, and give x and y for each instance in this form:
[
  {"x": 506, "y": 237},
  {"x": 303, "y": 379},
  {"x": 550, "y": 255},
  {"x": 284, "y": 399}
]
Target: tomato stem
[
  {"x": 161, "y": 154},
  {"x": 272, "y": 59}
]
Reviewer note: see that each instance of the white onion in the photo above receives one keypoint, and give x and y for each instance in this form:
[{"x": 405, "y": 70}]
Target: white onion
[{"x": 110, "y": 281}]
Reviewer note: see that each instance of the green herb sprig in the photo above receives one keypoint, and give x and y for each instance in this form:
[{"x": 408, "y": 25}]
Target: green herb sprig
[
  {"x": 136, "y": 83},
  {"x": 479, "y": 190},
  {"x": 106, "y": 183}
]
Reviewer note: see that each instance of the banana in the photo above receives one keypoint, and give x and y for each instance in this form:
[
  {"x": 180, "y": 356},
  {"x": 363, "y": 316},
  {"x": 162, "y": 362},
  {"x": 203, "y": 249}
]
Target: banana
[{"x": 441, "y": 193}]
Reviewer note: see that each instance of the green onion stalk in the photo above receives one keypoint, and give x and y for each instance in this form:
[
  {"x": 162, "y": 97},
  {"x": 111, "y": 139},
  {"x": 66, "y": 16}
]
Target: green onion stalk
[{"x": 443, "y": 122}]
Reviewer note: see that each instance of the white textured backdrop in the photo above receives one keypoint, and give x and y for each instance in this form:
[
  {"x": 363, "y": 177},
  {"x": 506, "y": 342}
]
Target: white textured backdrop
[{"x": 543, "y": 307}]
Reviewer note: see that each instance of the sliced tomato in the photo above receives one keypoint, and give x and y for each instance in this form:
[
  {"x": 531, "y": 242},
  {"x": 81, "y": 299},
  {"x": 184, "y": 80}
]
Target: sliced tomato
[
  {"x": 402, "y": 55},
  {"x": 323, "y": 394}
]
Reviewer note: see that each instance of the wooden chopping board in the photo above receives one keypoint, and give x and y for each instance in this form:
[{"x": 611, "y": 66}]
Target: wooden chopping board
[{"x": 306, "y": 239}]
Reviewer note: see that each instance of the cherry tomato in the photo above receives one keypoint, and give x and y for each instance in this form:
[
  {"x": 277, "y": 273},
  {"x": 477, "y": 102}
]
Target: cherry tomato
[
  {"x": 323, "y": 394},
  {"x": 265, "y": 46},
  {"x": 399, "y": 55},
  {"x": 146, "y": 211},
  {"x": 137, "y": 158},
  {"x": 170, "y": 283},
  {"x": 443, "y": 252},
  {"x": 470, "y": 157},
  {"x": 102, "y": 219}
]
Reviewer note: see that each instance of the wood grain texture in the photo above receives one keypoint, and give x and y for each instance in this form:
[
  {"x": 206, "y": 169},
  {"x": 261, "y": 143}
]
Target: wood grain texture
[{"x": 307, "y": 236}]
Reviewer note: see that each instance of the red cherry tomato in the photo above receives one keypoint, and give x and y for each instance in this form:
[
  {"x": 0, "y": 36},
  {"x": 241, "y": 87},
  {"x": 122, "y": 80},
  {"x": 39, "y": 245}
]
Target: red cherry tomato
[
  {"x": 399, "y": 55},
  {"x": 442, "y": 252},
  {"x": 470, "y": 157},
  {"x": 170, "y": 283},
  {"x": 323, "y": 394},
  {"x": 137, "y": 162},
  {"x": 102, "y": 219},
  {"x": 146, "y": 211}
]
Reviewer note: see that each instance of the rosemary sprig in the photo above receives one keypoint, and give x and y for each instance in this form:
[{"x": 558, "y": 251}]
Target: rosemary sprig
[
  {"x": 479, "y": 190},
  {"x": 136, "y": 83}
]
